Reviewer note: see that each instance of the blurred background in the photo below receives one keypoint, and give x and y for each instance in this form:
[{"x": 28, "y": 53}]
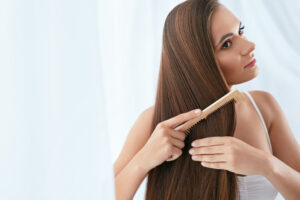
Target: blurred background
[{"x": 75, "y": 75}]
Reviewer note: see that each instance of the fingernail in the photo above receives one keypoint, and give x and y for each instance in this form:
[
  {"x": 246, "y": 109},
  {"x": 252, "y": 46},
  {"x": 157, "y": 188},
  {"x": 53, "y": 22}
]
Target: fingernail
[
  {"x": 191, "y": 151},
  {"x": 194, "y": 157},
  {"x": 197, "y": 111},
  {"x": 193, "y": 144}
]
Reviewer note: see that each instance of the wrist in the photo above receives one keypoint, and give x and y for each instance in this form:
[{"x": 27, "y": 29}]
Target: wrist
[
  {"x": 269, "y": 165},
  {"x": 141, "y": 163}
]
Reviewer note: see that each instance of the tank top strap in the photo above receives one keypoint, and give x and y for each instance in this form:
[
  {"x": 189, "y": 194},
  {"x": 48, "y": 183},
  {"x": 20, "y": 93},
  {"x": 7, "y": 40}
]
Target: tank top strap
[{"x": 261, "y": 118}]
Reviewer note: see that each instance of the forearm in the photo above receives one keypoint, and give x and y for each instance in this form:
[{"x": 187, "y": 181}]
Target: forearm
[
  {"x": 283, "y": 177},
  {"x": 129, "y": 179}
]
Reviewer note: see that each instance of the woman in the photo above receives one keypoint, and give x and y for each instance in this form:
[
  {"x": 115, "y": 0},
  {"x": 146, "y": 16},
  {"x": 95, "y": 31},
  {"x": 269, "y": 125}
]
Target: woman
[{"x": 242, "y": 151}]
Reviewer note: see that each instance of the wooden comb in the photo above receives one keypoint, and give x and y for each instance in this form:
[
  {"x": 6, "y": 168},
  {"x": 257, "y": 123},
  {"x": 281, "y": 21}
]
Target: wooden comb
[{"x": 234, "y": 95}]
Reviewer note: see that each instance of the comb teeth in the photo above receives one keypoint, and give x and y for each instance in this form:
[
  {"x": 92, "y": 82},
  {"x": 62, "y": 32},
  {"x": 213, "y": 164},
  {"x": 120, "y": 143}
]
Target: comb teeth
[
  {"x": 187, "y": 131},
  {"x": 236, "y": 96}
]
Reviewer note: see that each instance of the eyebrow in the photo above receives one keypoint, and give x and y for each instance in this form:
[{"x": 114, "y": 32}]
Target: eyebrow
[{"x": 226, "y": 36}]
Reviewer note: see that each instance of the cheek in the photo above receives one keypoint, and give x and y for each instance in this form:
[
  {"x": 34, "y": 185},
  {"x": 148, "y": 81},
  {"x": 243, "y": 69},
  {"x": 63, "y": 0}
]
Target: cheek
[{"x": 230, "y": 64}]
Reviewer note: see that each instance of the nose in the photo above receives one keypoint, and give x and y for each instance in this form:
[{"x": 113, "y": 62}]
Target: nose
[{"x": 248, "y": 47}]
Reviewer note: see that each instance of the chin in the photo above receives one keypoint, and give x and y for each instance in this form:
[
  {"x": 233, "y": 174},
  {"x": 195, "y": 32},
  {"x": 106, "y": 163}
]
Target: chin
[
  {"x": 256, "y": 71},
  {"x": 252, "y": 73},
  {"x": 246, "y": 78}
]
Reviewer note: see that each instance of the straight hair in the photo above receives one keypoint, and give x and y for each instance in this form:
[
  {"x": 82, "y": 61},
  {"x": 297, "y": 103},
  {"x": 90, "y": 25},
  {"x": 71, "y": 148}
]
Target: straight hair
[{"x": 190, "y": 78}]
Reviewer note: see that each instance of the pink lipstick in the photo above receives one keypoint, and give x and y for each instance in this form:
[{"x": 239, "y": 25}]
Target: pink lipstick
[{"x": 251, "y": 63}]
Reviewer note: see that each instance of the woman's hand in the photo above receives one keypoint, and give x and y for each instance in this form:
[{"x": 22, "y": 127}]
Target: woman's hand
[
  {"x": 229, "y": 153},
  {"x": 165, "y": 143}
]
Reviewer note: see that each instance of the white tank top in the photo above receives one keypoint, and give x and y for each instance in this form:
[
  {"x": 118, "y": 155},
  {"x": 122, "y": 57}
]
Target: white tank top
[{"x": 256, "y": 187}]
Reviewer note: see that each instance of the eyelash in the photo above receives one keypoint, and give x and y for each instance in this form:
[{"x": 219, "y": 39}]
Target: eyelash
[{"x": 241, "y": 32}]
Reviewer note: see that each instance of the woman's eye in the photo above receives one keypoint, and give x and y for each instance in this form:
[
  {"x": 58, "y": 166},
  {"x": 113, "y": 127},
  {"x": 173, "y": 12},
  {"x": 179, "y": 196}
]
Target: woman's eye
[
  {"x": 226, "y": 44},
  {"x": 241, "y": 31}
]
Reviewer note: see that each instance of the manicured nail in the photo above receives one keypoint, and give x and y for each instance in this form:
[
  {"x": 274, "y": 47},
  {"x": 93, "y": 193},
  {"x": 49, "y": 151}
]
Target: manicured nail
[
  {"x": 191, "y": 151},
  {"x": 198, "y": 111},
  {"x": 194, "y": 157}
]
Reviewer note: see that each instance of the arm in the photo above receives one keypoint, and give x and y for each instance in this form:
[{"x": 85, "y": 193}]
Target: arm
[
  {"x": 284, "y": 166},
  {"x": 128, "y": 169},
  {"x": 131, "y": 177},
  {"x": 283, "y": 177},
  {"x": 164, "y": 144}
]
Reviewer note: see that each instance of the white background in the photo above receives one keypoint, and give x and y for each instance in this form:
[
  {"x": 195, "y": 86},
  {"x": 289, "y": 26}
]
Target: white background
[
  {"x": 75, "y": 75},
  {"x": 53, "y": 134}
]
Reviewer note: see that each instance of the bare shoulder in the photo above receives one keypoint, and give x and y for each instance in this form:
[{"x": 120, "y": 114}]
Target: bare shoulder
[
  {"x": 143, "y": 123},
  {"x": 136, "y": 138},
  {"x": 283, "y": 141},
  {"x": 266, "y": 104},
  {"x": 141, "y": 129},
  {"x": 147, "y": 114}
]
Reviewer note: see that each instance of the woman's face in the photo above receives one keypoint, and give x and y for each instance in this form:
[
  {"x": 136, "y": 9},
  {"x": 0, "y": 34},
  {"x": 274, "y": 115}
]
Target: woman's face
[{"x": 232, "y": 49}]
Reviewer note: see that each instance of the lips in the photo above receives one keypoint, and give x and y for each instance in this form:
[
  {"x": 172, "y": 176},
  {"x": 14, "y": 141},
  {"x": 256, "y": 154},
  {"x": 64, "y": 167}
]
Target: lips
[{"x": 251, "y": 63}]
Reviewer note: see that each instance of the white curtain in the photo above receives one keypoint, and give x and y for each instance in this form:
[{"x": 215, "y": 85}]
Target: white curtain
[
  {"x": 53, "y": 131},
  {"x": 133, "y": 32},
  {"x": 75, "y": 75}
]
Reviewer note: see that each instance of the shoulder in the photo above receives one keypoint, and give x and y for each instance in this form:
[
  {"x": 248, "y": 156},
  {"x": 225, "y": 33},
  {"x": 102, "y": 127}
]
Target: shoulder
[
  {"x": 148, "y": 111},
  {"x": 147, "y": 114},
  {"x": 284, "y": 143},
  {"x": 143, "y": 124},
  {"x": 267, "y": 104},
  {"x": 263, "y": 97}
]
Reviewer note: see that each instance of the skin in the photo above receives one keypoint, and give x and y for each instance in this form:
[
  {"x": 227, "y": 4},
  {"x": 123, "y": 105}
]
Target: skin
[
  {"x": 247, "y": 153},
  {"x": 234, "y": 52},
  {"x": 232, "y": 153}
]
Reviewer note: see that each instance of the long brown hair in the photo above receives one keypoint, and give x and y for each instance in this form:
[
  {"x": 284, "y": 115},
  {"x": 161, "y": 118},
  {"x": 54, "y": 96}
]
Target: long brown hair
[{"x": 190, "y": 78}]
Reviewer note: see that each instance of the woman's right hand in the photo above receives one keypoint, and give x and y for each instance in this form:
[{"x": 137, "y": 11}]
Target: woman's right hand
[{"x": 165, "y": 143}]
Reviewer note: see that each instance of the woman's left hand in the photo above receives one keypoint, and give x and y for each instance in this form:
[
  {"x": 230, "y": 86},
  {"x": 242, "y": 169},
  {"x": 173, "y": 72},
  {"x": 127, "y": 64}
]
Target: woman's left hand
[{"x": 229, "y": 153}]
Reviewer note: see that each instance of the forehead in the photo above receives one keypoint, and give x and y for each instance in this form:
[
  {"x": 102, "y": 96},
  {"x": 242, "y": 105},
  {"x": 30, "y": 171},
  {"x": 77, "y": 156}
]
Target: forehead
[{"x": 223, "y": 21}]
